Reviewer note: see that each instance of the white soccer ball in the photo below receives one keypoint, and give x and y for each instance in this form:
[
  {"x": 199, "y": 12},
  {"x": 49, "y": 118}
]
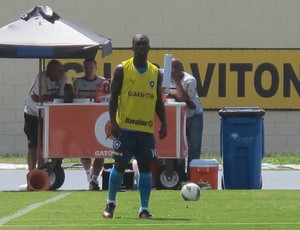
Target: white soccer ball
[{"x": 190, "y": 192}]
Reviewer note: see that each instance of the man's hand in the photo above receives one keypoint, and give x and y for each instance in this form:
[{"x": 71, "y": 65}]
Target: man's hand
[
  {"x": 115, "y": 130},
  {"x": 163, "y": 132},
  {"x": 34, "y": 97},
  {"x": 41, "y": 98},
  {"x": 191, "y": 104}
]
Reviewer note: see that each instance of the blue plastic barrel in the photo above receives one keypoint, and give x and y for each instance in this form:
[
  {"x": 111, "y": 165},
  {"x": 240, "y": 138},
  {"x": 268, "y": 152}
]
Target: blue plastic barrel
[{"x": 242, "y": 147}]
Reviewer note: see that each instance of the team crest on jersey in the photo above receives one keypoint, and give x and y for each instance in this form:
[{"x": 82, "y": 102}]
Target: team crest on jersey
[
  {"x": 117, "y": 144},
  {"x": 151, "y": 84}
]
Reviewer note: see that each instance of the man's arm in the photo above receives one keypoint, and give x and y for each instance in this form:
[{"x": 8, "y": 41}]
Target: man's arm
[
  {"x": 75, "y": 88},
  {"x": 160, "y": 109},
  {"x": 36, "y": 89},
  {"x": 61, "y": 89},
  {"x": 116, "y": 86},
  {"x": 182, "y": 95}
]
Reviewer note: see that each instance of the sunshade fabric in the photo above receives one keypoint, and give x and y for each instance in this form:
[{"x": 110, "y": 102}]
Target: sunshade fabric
[{"x": 41, "y": 33}]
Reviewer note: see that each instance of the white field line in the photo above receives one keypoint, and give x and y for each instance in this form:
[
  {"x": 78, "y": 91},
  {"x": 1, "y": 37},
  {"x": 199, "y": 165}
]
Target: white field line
[
  {"x": 24, "y": 211},
  {"x": 143, "y": 224}
]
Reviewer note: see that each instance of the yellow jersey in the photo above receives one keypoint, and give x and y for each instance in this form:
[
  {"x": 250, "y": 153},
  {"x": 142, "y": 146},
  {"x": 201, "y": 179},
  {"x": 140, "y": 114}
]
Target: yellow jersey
[{"x": 137, "y": 100}]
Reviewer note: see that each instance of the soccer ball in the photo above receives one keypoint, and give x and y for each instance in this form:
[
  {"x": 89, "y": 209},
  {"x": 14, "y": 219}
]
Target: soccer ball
[{"x": 190, "y": 192}]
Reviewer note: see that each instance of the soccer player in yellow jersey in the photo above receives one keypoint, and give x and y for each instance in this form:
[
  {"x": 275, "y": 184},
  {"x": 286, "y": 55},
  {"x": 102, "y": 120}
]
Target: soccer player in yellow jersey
[{"x": 136, "y": 95}]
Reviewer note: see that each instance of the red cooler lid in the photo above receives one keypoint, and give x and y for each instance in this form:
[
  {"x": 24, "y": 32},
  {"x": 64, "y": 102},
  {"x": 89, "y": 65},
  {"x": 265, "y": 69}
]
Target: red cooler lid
[{"x": 204, "y": 163}]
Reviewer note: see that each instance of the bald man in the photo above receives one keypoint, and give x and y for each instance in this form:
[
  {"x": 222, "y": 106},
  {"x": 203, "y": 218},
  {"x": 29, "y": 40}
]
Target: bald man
[{"x": 184, "y": 89}]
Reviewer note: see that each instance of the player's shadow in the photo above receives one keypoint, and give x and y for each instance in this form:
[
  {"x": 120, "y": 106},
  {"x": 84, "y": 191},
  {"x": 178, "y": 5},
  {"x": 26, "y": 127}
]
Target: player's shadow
[
  {"x": 160, "y": 219},
  {"x": 163, "y": 219}
]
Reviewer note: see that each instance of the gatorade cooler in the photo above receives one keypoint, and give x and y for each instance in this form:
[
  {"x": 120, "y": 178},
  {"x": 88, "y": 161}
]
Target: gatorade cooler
[{"x": 205, "y": 171}]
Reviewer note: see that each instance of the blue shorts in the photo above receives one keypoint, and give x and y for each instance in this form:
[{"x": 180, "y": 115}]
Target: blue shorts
[
  {"x": 31, "y": 130},
  {"x": 134, "y": 144}
]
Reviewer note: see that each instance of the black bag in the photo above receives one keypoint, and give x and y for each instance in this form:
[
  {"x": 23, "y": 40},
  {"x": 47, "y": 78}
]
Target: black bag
[{"x": 127, "y": 179}]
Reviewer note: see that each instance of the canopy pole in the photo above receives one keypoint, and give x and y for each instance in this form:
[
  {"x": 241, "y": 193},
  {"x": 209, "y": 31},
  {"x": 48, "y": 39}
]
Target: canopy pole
[{"x": 40, "y": 119}]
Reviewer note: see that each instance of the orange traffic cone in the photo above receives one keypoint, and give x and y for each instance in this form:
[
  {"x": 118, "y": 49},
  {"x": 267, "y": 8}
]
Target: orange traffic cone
[{"x": 38, "y": 180}]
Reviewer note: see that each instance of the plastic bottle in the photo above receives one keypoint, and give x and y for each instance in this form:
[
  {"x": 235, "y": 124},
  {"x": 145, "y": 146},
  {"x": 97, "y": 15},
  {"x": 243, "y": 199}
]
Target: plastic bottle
[{"x": 68, "y": 93}]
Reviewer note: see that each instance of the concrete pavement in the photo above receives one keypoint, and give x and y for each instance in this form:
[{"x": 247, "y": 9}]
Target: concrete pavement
[{"x": 274, "y": 177}]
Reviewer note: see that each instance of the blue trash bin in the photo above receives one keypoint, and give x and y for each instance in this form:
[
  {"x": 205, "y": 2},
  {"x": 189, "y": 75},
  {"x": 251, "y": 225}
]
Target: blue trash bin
[{"x": 242, "y": 147}]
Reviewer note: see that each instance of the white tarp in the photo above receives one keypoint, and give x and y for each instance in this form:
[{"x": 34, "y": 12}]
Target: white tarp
[{"x": 41, "y": 33}]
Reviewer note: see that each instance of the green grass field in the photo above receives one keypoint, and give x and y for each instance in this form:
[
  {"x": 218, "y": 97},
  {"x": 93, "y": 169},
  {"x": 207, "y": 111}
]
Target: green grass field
[
  {"x": 273, "y": 158},
  {"x": 217, "y": 209}
]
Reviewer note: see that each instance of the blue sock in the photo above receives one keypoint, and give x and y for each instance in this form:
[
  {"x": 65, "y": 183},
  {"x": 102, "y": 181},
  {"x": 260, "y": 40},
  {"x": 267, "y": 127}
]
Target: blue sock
[
  {"x": 145, "y": 187},
  {"x": 115, "y": 181}
]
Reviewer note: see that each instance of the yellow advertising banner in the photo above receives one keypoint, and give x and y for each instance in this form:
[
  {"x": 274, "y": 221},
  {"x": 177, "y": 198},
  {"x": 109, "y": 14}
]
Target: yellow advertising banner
[{"x": 267, "y": 78}]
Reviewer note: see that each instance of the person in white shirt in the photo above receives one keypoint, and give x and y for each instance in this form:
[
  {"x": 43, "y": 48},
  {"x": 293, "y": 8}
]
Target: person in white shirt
[
  {"x": 52, "y": 85},
  {"x": 184, "y": 89},
  {"x": 85, "y": 87}
]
